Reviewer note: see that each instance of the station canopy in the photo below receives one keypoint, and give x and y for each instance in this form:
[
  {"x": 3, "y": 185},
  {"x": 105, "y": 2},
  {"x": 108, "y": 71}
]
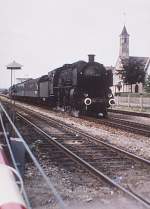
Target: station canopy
[{"x": 14, "y": 65}]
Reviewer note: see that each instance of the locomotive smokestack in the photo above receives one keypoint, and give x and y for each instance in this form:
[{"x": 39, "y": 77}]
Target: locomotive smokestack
[{"x": 91, "y": 57}]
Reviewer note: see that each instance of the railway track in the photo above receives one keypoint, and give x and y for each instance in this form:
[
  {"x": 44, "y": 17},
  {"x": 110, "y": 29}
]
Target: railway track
[
  {"x": 116, "y": 122},
  {"x": 122, "y": 124},
  {"x": 135, "y": 127},
  {"x": 141, "y": 114},
  {"x": 116, "y": 167}
]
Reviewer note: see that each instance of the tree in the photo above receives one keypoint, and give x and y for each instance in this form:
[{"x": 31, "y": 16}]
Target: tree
[
  {"x": 132, "y": 72},
  {"x": 147, "y": 84}
]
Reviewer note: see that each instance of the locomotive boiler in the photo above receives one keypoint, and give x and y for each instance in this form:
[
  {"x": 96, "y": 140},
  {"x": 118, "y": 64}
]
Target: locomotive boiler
[{"x": 81, "y": 87}]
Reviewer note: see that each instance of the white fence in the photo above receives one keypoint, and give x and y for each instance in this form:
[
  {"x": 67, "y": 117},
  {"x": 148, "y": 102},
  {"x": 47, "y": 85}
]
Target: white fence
[{"x": 133, "y": 101}]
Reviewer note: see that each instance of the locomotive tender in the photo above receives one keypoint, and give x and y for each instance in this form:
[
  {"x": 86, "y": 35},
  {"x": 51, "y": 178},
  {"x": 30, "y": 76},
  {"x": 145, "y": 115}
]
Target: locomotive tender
[{"x": 78, "y": 87}]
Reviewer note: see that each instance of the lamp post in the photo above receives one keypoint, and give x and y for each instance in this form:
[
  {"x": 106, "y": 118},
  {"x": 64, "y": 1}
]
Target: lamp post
[{"x": 13, "y": 66}]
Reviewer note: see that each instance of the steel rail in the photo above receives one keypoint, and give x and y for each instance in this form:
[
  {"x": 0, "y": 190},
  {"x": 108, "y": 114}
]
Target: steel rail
[
  {"x": 49, "y": 183},
  {"x": 114, "y": 122},
  {"x": 127, "y": 127},
  {"x": 125, "y": 112},
  {"x": 90, "y": 137},
  {"x": 87, "y": 165},
  {"x": 14, "y": 161},
  {"x": 132, "y": 122},
  {"x": 142, "y": 130}
]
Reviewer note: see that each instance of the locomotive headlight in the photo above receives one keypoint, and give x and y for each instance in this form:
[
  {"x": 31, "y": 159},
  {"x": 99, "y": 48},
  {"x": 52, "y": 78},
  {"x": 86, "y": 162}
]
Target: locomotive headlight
[
  {"x": 86, "y": 94},
  {"x": 87, "y": 101},
  {"x": 109, "y": 95},
  {"x": 111, "y": 102}
]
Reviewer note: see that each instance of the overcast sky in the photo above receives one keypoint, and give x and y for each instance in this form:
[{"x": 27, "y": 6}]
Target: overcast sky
[{"x": 45, "y": 34}]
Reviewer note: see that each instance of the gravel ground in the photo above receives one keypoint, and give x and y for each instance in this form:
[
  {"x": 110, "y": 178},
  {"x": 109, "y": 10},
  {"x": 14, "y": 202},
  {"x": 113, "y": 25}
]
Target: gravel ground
[
  {"x": 131, "y": 118},
  {"x": 136, "y": 144},
  {"x": 71, "y": 187},
  {"x": 85, "y": 196},
  {"x": 73, "y": 183},
  {"x": 77, "y": 193}
]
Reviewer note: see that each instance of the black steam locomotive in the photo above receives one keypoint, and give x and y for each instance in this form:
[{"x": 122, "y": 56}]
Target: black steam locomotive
[{"x": 79, "y": 87}]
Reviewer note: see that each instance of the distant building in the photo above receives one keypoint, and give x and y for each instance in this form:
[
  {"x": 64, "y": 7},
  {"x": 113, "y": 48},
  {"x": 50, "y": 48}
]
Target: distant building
[
  {"x": 20, "y": 80},
  {"x": 130, "y": 63},
  {"x": 110, "y": 68}
]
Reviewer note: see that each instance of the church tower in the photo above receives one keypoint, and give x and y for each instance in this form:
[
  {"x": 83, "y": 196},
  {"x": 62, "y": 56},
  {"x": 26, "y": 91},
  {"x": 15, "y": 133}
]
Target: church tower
[{"x": 124, "y": 44}]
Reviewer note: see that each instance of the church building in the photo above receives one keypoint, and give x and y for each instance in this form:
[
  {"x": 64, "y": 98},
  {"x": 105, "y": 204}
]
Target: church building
[{"x": 127, "y": 65}]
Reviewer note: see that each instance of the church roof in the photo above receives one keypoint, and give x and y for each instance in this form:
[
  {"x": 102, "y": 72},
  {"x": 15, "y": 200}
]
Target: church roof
[{"x": 124, "y": 32}]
